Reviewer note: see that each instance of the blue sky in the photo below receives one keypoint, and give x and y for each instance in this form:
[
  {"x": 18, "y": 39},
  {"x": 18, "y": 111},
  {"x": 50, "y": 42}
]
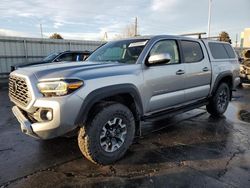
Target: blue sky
[{"x": 90, "y": 19}]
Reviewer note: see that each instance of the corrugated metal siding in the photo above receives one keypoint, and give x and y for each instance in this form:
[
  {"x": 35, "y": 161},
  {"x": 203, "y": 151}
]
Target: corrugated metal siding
[{"x": 17, "y": 50}]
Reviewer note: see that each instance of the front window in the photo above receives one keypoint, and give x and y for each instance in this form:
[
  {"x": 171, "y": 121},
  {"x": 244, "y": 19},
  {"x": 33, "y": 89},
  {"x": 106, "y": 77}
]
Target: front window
[
  {"x": 167, "y": 46},
  {"x": 126, "y": 51}
]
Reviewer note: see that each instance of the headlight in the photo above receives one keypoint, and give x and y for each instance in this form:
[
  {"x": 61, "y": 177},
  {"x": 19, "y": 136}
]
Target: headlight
[{"x": 59, "y": 88}]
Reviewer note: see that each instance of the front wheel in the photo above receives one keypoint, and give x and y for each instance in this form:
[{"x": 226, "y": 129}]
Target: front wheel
[
  {"x": 219, "y": 102},
  {"x": 108, "y": 135}
]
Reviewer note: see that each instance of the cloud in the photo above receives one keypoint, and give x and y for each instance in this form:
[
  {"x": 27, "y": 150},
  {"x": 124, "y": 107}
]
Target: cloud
[
  {"x": 12, "y": 33},
  {"x": 25, "y": 14},
  {"x": 86, "y": 35},
  {"x": 57, "y": 25},
  {"x": 163, "y": 5},
  {"x": 75, "y": 35},
  {"x": 84, "y": 17}
]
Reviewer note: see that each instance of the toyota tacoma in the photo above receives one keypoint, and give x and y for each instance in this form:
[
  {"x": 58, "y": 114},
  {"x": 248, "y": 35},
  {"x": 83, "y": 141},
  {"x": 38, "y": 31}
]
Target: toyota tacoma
[{"x": 121, "y": 85}]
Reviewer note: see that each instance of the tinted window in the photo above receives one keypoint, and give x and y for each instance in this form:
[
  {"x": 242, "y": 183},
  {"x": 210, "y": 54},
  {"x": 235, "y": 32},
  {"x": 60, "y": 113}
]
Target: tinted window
[
  {"x": 50, "y": 57},
  {"x": 66, "y": 57},
  {"x": 218, "y": 50},
  {"x": 229, "y": 50},
  {"x": 77, "y": 57},
  {"x": 192, "y": 51},
  {"x": 166, "y": 46}
]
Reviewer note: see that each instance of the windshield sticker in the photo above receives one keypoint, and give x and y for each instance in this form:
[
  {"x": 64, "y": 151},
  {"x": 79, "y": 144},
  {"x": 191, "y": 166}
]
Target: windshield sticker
[{"x": 135, "y": 44}]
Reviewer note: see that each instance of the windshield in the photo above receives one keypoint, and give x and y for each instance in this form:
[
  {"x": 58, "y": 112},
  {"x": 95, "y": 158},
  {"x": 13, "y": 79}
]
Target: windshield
[
  {"x": 126, "y": 51},
  {"x": 50, "y": 57}
]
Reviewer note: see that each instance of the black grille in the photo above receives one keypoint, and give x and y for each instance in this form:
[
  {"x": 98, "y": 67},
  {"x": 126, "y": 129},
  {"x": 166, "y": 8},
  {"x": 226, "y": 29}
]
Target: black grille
[{"x": 18, "y": 90}]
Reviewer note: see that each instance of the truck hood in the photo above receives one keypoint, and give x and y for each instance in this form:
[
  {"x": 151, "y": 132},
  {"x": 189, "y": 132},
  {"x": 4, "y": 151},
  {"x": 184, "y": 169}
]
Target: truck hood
[
  {"x": 29, "y": 64},
  {"x": 84, "y": 70}
]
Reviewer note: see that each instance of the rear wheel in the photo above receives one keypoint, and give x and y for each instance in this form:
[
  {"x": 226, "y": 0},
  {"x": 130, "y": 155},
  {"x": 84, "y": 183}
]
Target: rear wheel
[
  {"x": 219, "y": 102},
  {"x": 108, "y": 134}
]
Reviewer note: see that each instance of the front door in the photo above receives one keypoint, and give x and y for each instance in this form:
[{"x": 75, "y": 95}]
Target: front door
[{"x": 164, "y": 84}]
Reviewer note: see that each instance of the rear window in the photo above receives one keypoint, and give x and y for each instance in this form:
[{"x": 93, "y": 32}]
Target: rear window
[
  {"x": 192, "y": 51},
  {"x": 229, "y": 50},
  {"x": 221, "y": 50}
]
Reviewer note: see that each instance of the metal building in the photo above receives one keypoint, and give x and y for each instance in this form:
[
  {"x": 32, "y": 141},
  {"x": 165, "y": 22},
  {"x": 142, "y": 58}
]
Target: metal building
[{"x": 17, "y": 50}]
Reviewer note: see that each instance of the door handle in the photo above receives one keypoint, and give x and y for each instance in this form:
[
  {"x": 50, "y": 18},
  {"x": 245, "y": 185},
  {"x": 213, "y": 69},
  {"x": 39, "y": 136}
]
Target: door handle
[
  {"x": 205, "y": 69},
  {"x": 180, "y": 72}
]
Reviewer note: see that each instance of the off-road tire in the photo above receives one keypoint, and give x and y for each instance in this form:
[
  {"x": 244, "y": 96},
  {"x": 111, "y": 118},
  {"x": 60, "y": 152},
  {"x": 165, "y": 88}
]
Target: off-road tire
[
  {"x": 89, "y": 134},
  {"x": 214, "y": 107}
]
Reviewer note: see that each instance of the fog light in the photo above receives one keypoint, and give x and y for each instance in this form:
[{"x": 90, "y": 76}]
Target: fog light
[
  {"x": 49, "y": 115},
  {"x": 46, "y": 114}
]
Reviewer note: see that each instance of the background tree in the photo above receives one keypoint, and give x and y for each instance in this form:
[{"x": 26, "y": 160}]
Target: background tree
[
  {"x": 224, "y": 36},
  {"x": 55, "y": 36},
  {"x": 127, "y": 32}
]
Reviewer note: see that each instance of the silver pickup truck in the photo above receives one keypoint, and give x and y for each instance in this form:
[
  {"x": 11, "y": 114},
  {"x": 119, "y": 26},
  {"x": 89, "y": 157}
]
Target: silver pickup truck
[{"x": 122, "y": 84}]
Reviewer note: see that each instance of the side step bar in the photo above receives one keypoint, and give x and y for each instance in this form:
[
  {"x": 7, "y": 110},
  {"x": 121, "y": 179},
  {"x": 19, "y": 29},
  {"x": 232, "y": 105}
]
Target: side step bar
[{"x": 173, "y": 111}]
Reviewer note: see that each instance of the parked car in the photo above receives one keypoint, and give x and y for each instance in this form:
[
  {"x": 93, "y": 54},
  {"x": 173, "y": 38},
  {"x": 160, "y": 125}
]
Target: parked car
[
  {"x": 57, "y": 57},
  {"x": 122, "y": 84},
  {"x": 245, "y": 68}
]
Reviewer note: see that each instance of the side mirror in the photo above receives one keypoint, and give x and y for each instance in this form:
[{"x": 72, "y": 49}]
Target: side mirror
[{"x": 159, "y": 59}]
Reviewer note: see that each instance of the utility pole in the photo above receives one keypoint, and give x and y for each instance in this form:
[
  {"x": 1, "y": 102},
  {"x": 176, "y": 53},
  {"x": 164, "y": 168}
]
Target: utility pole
[
  {"x": 41, "y": 30},
  {"x": 209, "y": 17},
  {"x": 236, "y": 41},
  {"x": 136, "y": 26},
  {"x": 105, "y": 37}
]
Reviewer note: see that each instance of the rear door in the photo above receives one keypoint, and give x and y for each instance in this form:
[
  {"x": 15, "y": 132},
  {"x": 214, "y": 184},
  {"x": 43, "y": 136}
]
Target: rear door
[{"x": 198, "y": 70}]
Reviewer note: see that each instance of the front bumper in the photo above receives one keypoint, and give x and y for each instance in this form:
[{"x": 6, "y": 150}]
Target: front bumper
[
  {"x": 24, "y": 122},
  {"x": 65, "y": 110}
]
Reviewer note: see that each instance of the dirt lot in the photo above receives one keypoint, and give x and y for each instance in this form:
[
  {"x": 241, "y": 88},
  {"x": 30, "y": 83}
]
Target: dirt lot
[{"x": 188, "y": 150}]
